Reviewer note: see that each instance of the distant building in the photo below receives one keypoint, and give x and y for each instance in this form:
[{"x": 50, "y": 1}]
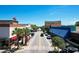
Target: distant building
[
  {"x": 52, "y": 23},
  {"x": 77, "y": 26},
  {"x": 28, "y": 26}
]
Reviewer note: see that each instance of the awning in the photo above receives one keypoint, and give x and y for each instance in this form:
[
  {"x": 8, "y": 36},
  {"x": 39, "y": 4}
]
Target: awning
[{"x": 14, "y": 38}]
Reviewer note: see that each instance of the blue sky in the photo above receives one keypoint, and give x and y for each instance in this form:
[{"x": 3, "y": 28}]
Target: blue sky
[{"x": 38, "y": 14}]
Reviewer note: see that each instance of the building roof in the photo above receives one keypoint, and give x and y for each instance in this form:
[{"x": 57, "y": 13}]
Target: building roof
[
  {"x": 7, "y": 21},
  {"x": 18, "y": 25},
  {"x": 52, "y": 22}
]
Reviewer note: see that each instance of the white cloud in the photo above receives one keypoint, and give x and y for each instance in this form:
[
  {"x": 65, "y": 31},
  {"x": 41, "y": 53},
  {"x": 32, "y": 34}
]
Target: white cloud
[
  {"x": 75, "y": 20},
  {"x": 70, "y": 22}
]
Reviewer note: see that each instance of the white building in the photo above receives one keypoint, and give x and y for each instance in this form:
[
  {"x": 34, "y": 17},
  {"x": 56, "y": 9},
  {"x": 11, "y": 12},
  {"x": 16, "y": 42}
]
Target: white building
[{"x": 77, "y": 26}]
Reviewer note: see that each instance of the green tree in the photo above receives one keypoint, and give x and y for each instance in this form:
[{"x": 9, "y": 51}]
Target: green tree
[
  {"x": 58, "y": 42},
  {"x": 26, "y": 31},
  {"x": 18, "y": 33},
  {"x": 34, "y": 27},
  {"x": 43, "y": 28}
]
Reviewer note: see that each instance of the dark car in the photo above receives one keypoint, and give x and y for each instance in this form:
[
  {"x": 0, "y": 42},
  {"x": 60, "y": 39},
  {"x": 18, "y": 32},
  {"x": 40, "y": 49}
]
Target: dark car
[
  {"x": 69, "y": 50},
  {"x": 46, "y": 34},
  {"x": 32, "y": 34},
  {"x": 53, "y": 52},
  {"x": 41, "y": 35}
]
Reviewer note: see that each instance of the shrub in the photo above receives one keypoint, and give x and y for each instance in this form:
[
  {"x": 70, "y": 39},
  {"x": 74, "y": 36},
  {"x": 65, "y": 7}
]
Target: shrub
[{"x": 59, "y": 42}]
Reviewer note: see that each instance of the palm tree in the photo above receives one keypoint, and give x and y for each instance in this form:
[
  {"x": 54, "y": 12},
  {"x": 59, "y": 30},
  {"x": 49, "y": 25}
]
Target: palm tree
[
  {"x": 18, "y": 33},
  {"x": 26, "y": 32}
]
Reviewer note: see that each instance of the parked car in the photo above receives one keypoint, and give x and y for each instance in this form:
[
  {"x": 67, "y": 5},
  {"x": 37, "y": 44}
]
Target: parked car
[
  {"x": 46, "y": 34},
  {"x": 52, "y": 51},
  {"x": 41, "y": 35},
  {"x": 69, "y": 50},
  {"x": 49, "y": 37},
  {"x": 32, "y": 34}
]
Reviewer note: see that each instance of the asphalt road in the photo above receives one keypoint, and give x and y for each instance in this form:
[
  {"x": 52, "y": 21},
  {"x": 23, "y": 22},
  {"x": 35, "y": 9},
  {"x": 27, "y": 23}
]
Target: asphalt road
[{"x": 37, "y": 44}]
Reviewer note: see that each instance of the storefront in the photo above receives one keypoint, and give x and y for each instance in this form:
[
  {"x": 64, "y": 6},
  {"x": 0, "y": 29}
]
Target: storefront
[{"x": 4, "y": 43}]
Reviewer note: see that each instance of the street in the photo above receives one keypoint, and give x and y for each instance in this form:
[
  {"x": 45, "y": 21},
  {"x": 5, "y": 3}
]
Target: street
[{"x": 37, "y": 44}]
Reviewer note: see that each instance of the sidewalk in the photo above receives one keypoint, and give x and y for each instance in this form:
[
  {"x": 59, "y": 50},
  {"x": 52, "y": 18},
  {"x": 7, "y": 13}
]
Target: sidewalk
[
  {"x": 2, "y": 51},
  {"x": 22, "y": 48}
]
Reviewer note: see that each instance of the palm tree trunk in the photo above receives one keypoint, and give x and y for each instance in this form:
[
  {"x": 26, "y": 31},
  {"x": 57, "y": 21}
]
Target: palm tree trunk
[
  {"x": 24, "y": 40},
  {"x": 18, "y": 41}
]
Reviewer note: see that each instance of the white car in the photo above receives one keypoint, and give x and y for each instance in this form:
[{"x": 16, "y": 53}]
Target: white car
[{"x": 49, "y": 37}]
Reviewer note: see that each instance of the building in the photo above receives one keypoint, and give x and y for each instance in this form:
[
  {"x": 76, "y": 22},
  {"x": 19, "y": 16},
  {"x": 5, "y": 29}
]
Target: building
[
  {"x": 63, "y": 32},
  {"x": 28, "y": 26},
  {"x": 77, "y": 26},
  {"x": 7, "y": 26},
  {"x": 72, "y": 38},
  {"x": 52, "y": 23},
  {"x": 6, "y": 29}
]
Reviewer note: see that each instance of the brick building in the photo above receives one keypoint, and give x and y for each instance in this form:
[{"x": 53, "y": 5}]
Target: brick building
[{"x": 52, "y": 23}]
